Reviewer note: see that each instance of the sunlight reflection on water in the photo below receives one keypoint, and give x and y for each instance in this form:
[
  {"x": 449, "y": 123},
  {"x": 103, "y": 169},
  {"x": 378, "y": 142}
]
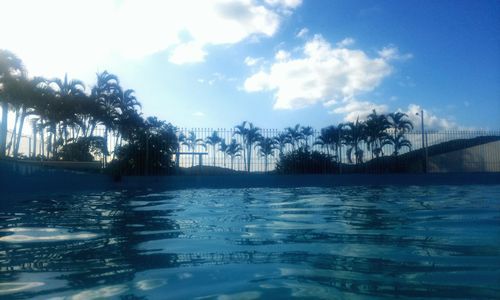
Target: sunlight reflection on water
[{"x": 22, "y": 235}]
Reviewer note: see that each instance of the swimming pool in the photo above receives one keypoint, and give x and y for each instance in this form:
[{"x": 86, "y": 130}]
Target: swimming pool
[{"x": 320, "y": 243}]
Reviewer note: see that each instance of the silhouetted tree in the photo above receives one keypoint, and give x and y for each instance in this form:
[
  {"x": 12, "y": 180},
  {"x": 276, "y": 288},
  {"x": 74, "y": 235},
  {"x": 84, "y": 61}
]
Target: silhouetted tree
[
  {"x": 213, "y": 140},
  {"x": 250, "y": 135},
  {"x": 266, "y": 148},
  {"x": 295, "y": 135},
  {"x": 233, "y": 150}
]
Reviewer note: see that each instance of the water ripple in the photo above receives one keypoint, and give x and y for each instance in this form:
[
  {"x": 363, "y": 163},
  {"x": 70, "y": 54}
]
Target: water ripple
[{"x": 350, "y": 242}]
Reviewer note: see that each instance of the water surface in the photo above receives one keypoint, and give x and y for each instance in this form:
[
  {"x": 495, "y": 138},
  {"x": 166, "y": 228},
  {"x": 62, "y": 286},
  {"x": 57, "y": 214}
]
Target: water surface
[{"x": 317, "y": 243}]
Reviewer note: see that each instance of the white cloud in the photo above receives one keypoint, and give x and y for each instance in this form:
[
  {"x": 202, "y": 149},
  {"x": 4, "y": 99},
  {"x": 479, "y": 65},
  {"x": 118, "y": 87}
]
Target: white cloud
[
  {"x": 359, "y": 109},
  {"x": 58, "y": 36},
  {"x": 187, "y": 53},
  {"x": 216, "y": 77},
  {"x": 252, "y": 61},
  {"x": 284, "y": 3},
  {"x": 198, "y": 114},
  {"x": 282, "y": 55},
  {"x": 334, "y": 76},
  {"x": 431, "y": 121},
  {"x": 392, "y": 52},
  {"x": 303, "y": 32},
  {"x": 346, "y": 42},
  {"x": 258, "y": 82}
]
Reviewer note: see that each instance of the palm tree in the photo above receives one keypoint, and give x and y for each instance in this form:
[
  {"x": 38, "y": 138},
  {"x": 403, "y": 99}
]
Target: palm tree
[
  {"x": 331, "y": 139},
  {"x": 16, "y": 91},
  {"x": 399, "y": 142},
  {"x": 295, "y": 135},
  {"x": 29, "y": 96},
  {"x": 376, "y": 133},
  {"x": 63, "y": 114},
  {"x": 281, "y": 140},
  {"x": 241, "y": 130},
  {"x": 307, "y": 132},
  {"x": 213, "y": 140},
  {"x": 106, "y": 93},
  {"x": 355, "y": 134},
  {"x": 250, "y": 136},
  {"x": 192, "y": 142},
  {"x": 223, "y": 148},
  {"x": 266, "y": 148},
  {"x": 399, "y": 123},
  {"x": 127, "y": 120},
  {"x": 10, "y": 68},
  {"x": 233, "y": 150}
]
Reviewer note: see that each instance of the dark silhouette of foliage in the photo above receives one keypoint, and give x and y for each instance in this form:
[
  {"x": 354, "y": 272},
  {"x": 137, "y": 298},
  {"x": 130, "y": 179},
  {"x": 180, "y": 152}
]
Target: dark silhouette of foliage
[
  {"x": 83, "y": 149},
  {"x": 149, "y": 150},
  {"x": 302, "y": 161},
  {"x": 250, "y": 136}
]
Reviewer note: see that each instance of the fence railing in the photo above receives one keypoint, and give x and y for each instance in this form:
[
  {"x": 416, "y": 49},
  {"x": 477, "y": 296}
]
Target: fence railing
[{"x": 434, "y": 151}]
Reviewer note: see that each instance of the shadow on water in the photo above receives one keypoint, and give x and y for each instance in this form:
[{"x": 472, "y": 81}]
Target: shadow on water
[{"x": 280, "y": 243}]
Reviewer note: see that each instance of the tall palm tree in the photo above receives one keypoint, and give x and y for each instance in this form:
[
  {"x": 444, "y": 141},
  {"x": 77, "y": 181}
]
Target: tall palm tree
[
  {"x": 233, "y": 150},
  {"x": 331, "y": 139},
  {"x": 10, "y": 67},
  {"x": 266, "y": 148},
  {"x": 400, "y": 124},
  {"x": 376, "y": 133},
  {"x": 399, "y": 142},
  {"x": 223, "y": 148},
  {"x": 295, "y": 135},
  {"x": 282, "y": 139},
  {"x": 307, "y": 132},
  {"x": 192, "y": 142},
  {"x": 128, "y": 116},
  {"x": 106, "y": 93},
  {"x": 241, "y": 130},
  {"x": 250, "y": 135},
  {"x": 355, "y": 134},
  {"x": 28, "y": 96},
  {"x": 213, "y": 140},
  {"x": 63, "y": 114}
]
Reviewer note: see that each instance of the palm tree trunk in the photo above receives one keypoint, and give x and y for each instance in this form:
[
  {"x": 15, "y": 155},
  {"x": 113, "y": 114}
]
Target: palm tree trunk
[
  {"x": 106, "y": 143},
  {"x": 244, "y": 159},
  {"x": 265, "y": 164},
  {"x": 232, "y": 159},
  {"x": 49, "y": 143},
  {"x": 42, "y": 139},
  {"x": 14, "y": 132},
  {"x": 3, "y": 128},
  {"x": 19, "y": 135},
  {"x": 116, "y": 145},
  {"x": 192, "y": 158},
  {"x": 214, "y": 154},
  {"x": 249, "y": 156}
]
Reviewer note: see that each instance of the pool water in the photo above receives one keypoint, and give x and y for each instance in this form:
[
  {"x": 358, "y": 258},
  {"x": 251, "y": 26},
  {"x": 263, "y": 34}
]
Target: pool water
[{"x": 308, "y": 243}]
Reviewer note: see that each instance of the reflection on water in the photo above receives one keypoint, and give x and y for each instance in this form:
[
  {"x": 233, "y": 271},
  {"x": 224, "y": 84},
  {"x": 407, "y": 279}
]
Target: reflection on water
[{"x": 350, "y": 242}]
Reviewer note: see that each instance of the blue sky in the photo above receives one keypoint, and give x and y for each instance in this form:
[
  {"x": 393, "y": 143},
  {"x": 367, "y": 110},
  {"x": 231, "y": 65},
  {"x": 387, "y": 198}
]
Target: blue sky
[{"x": 274, "y": 62}]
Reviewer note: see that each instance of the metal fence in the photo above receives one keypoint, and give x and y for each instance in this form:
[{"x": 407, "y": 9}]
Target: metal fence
[
  {"x": 458, "y": 150},
  {"x": 486, "y": 155}
]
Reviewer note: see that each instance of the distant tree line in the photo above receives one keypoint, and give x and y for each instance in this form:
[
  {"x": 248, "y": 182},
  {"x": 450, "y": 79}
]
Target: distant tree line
[{"x": 378, "y": 131}]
